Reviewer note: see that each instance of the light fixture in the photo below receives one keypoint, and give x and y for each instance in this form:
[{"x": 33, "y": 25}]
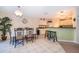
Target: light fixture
[
  {"x": 62, "y": 13},
  {"x": 18, "y": 12}
]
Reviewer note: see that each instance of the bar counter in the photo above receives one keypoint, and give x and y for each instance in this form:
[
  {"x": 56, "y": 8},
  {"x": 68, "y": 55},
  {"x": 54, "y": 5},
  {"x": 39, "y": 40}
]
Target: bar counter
[{"x": 66, "y": 34}]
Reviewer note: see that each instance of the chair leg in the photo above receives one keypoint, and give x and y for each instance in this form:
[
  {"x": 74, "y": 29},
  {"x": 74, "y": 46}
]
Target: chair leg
[
  {"x": 32, "y": 40},
  {"x": 53, "y": 39},
  {"x": 15, "y": 44},
  {"x": 10, "y": 41},
  {"x": 13, "y": 41},
  {"x": 23, "y": 42},
  {"x": 56, "y": 39}
]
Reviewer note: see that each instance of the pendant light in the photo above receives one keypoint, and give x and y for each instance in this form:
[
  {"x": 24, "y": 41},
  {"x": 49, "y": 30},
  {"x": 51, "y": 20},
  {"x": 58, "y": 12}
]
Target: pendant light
[{"x": 18, "y": 12}]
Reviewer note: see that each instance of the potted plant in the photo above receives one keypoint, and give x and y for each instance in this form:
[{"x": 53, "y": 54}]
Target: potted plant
[{"x": 5, "y": 24}]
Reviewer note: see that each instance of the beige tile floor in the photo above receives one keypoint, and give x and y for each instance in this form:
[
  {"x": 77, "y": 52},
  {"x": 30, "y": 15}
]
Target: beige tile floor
[{"x": 40, "y": 45}]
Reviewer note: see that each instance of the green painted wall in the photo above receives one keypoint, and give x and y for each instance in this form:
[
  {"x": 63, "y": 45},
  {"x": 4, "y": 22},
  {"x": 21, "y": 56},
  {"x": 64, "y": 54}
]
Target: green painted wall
[{"x": 64, "y": 33}]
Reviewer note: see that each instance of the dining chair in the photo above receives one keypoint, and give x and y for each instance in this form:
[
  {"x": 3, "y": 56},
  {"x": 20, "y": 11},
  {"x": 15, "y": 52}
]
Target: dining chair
[
  {"x": 29, "y": 34},
  {"x": 19, "y": 36}
]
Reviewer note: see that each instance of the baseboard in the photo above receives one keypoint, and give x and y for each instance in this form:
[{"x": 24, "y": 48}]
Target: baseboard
[
  {"x": 76, "y": 42},
  {"x": 66, "y": 40},
  {"x": 69, "y": 41}
]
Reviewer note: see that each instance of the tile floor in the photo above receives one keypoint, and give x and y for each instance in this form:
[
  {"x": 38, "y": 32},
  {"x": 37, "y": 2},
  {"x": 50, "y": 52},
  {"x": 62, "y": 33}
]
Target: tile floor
[{"x": 40, "y": 45}]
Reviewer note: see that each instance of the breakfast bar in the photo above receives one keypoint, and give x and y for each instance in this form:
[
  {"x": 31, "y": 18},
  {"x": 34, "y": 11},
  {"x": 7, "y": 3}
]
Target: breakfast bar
[{"x": 64, "y": 34}]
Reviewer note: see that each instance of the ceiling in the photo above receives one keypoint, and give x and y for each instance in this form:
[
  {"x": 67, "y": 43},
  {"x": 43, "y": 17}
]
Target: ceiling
[{"x": 34, "y": 11}]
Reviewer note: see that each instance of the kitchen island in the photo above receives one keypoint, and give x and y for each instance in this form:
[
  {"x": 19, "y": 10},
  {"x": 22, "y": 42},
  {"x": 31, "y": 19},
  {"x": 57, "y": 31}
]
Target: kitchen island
[{"x": 64, "y": 34}]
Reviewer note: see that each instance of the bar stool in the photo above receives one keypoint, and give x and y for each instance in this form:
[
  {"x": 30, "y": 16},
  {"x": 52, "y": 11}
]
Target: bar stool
[{"x": 52, "y": 35}]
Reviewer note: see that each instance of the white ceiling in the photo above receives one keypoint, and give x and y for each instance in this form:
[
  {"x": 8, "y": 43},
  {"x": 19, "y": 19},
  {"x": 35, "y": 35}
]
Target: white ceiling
[{"x": 34, "y": 11}]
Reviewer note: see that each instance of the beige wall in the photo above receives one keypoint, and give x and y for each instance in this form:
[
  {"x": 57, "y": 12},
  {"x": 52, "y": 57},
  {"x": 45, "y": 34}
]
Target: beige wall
[{"x": 77, "y": 26}]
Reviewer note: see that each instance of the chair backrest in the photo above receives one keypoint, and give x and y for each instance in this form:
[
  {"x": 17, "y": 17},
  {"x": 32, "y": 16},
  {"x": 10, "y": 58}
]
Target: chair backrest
[
  {"x": 51, "y": 34},
  {"x": 29, "y": 31},
  {"x": 19, "y": 33}
]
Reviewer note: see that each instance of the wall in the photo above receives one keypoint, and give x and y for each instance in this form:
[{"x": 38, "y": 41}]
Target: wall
[{"x": 77, "y": 26}]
